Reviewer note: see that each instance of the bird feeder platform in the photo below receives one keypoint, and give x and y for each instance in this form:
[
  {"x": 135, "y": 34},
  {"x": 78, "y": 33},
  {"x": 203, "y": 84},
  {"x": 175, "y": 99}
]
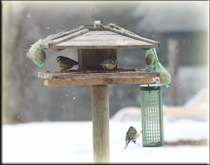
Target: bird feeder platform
[
  {"x": 95, "y": 45},
  {"x": 98, "y": 77}
]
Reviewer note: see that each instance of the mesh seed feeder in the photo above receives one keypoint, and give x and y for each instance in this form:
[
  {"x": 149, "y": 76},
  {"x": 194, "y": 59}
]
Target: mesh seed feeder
[{"x": 152, "y": 115}]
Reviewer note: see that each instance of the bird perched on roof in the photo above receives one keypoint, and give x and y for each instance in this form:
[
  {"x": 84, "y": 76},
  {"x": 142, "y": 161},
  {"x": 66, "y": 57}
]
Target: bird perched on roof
[
  {"x": 131, "y": 136},
  {"x": 65, "y": 62},
  {"x": 109, "y": 63}
]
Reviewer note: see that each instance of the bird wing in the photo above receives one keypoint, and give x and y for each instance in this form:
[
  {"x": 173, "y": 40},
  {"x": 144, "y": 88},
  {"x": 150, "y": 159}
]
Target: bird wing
[
  {"x": 129, "y": 137},
  {"x": 68, "y": 61},
  {"x": 108, "y": 61}
]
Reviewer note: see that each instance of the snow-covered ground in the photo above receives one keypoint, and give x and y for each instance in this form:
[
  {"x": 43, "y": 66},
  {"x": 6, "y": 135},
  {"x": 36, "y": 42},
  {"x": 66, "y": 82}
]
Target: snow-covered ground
[{"x": 71, "y": 142}]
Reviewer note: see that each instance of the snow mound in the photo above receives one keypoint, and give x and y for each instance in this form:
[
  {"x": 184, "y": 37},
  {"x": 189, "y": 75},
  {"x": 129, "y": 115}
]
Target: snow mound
[{"x": 200, "y": 100}]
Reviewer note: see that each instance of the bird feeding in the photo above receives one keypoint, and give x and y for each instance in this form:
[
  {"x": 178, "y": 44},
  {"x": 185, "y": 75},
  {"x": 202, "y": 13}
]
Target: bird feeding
[
  {"x": 165, "y": 77},
  {"x": 65, "y": 62},
  {"x": 109, "y": 63},
  {"x": 151, "y": 59},
  {"x": 131, "y": 136},
  {"x": 152, "y": 115}
]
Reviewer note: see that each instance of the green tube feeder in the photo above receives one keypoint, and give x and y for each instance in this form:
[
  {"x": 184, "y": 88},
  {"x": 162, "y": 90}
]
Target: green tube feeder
[{"x": 152, "y": 115}]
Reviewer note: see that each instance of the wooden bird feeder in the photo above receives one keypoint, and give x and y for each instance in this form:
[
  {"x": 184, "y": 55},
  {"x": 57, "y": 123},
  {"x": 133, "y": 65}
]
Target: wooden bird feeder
[{"x": 94, "y": 45}]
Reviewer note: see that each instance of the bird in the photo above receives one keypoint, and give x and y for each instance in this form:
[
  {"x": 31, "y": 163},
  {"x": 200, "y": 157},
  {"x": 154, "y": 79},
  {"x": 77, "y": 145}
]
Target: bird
[
  {"x": 109, "y": 63},
  {"x": 65, "y": 62},
  {"x": 131, "y": 136}
]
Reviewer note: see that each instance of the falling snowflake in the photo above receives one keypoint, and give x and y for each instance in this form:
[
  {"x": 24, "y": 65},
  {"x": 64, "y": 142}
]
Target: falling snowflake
[{"x": 28, "y": 15}]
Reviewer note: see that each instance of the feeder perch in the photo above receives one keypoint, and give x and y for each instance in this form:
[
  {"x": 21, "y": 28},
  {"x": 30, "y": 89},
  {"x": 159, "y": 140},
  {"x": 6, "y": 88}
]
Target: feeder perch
[{"x": 152, "y": 115}]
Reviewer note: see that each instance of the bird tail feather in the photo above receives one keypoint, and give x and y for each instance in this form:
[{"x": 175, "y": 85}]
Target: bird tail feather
[{"x": 126, "y": 146}]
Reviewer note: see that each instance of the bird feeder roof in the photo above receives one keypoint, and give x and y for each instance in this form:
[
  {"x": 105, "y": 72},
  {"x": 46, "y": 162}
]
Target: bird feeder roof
[{"x": 99, "y": 37}]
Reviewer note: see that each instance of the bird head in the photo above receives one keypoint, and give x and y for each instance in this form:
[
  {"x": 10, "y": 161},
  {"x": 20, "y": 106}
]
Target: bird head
[
  {"x": 131, "y": 129},
  {"x": 58, "y": 58}
]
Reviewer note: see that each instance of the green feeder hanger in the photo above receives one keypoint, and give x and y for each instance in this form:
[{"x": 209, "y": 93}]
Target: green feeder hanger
[
  {"x": 152, "y": 115},
  {"x": 151, "y": 59},
  {"x": 39, "y": 56}
]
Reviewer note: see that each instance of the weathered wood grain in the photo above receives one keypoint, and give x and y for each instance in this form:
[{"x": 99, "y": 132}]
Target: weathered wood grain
[
  {"x": 97, "y": 75},
  {"x": 99, "y": 32},
  {"x": 62, "y": 34},
  {"x": 65, "y": 38},
  {"x": 91, "y": 57},
  {"x": 72, "y": 82},
  {"x": 100, "y": 118},
  {"x": 111, "y": 44},
  {"x": 156, "y": 44},
  {"x": 102, "y": 38}
]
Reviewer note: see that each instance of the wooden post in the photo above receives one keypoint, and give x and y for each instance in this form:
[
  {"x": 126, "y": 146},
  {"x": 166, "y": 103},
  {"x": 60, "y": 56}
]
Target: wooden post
[
  {"x": 173, "y": 70},
  {"x": 100, "y": 118}
]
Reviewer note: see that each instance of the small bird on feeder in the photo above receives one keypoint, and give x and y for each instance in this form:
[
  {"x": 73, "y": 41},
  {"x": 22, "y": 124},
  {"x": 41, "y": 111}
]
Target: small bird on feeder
[
  {"x": 65, "y": 62},
  {"x": 109, "y": 63},
  {"x": 131, "y": 135}
]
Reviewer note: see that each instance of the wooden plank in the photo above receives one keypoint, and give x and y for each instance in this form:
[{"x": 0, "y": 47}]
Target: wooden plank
[
  {"x": 86, "y": 57},
  {"x": 65, "y": 38},
  {"x": 45, "y": 45},
  {"x": 71, "y": 82},
  {"x": 100, "y": 40},
  {"x": 92, "y": 57},
  {"x": 103, "y": 38},
  {"x": 62, "y": 34},
  {"x": 99, "y": 32},
  {"x": 119, "y": 28},
  {"x": 80, "y": 60},
  {"x": 97, "y": 75},
  {"x": 97, "y": 44},
  {"x": 100, "y": 119},
  {"x": 155, "y": 43},
  {"x": 103, "y": 45}
]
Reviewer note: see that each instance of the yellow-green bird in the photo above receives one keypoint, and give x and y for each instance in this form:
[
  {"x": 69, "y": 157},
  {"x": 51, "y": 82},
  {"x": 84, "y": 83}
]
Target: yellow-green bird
[
  {"x": 65, "y": 62},
  {"x": 131, "y": 135},
  {"x": 109, "y": 63}
]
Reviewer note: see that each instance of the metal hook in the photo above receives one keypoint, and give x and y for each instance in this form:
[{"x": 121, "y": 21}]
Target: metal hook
[{"x": 149, "y": 88}]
